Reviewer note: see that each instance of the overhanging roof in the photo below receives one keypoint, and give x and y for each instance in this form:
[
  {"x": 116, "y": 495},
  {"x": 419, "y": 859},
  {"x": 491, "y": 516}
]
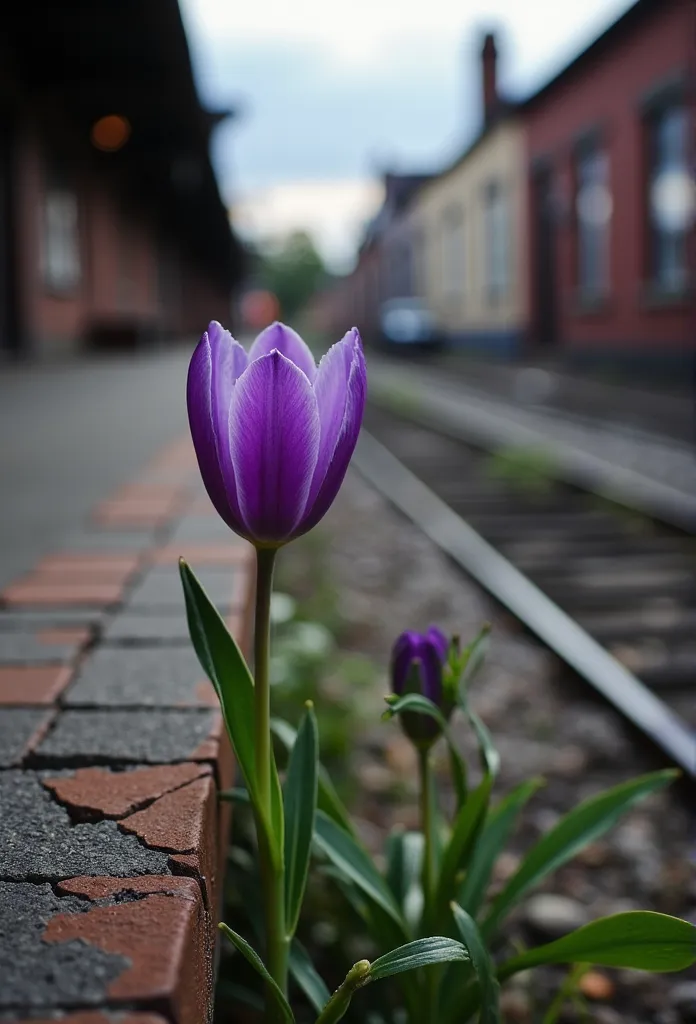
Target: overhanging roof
[{"x": 131, "y": 57}]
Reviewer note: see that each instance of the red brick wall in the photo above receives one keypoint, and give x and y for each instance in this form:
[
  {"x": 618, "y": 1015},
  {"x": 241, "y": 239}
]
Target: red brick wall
[
  {"x": 121, "y": 294},
  {"x": 606, "y": 94}
]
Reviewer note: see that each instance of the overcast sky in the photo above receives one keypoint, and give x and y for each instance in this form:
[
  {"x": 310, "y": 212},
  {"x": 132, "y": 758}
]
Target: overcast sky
[{"x": 329, "y": 93}]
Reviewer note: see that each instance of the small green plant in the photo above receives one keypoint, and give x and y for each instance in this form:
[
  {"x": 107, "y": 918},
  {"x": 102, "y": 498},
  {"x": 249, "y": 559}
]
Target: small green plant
[
  {"x": 531, "y": 470},
  {"x": 274, "y": 434}
]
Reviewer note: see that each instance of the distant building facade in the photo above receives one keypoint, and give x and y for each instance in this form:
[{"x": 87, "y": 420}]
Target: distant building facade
[
  {"x": 471, "y": 221},
  {"x": 112, "y": 229},
  {"x": 610, "y": 164}
]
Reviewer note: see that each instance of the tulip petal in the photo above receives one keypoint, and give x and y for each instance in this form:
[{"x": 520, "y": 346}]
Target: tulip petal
[
  {"x": 331, "y": 389},
  {"x": 289, "y": 344},
  {"x": 404, "y": 653},
  {"x": 347, "y": 438},
  {"x": 204, "y": 434},
  {"x": 439, "y": 641},
  {"x": 431, "y": 671},
  {"x": 274, "y": 443}
]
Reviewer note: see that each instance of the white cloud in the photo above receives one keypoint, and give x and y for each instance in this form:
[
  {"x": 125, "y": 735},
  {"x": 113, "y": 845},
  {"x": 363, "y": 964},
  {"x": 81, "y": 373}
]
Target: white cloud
[
  {"x": 331, "y": 91},
  {"x": 364, "y": 32}
]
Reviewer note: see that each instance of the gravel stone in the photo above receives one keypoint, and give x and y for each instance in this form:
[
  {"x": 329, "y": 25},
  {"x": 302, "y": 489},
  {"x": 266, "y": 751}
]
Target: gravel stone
[{"x": 553, "y": 915}]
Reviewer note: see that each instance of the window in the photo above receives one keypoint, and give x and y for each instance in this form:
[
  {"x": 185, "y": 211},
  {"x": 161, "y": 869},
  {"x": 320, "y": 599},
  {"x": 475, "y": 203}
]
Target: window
[
  {"x": 670, "y": 198},
  {"x": 497, "y": 242},
  {"x": 453, "y": 255},
  {"x": 593, "y": 210},
  {"x": 61, "y": 243}
]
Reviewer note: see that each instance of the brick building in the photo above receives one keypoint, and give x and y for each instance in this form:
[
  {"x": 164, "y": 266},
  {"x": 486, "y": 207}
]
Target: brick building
[
  {"x": 112, "y": 228},
  {"x": 610, "y": 162}
]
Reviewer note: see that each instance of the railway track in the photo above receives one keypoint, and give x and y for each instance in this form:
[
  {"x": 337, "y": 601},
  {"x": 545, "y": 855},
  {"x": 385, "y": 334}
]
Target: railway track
[{"x": 611, "y": 592}]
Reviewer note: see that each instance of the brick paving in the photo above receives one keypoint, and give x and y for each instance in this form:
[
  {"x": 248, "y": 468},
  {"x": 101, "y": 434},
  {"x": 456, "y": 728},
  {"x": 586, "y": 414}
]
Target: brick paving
[{"x": 112, "y": 750}]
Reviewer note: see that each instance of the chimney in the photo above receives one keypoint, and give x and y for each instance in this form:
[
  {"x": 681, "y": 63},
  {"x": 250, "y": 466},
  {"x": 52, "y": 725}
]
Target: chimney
[{"x": 489, "y": 76}]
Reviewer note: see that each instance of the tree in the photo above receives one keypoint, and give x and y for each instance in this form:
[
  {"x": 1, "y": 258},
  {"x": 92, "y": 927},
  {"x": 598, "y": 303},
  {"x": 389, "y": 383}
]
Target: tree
[{"x": 293, "y": 271}]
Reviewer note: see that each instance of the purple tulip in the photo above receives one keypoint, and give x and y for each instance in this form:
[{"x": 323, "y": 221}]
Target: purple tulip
[
  {"x": 273, "y": 432},
  {"x": 417, "y": 666}
]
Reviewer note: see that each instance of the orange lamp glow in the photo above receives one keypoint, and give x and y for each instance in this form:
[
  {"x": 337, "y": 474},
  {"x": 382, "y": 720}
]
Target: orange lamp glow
[{"x": 110, "y": 133}]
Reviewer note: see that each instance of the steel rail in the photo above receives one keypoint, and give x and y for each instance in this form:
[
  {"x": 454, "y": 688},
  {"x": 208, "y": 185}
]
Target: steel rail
[{"x": 526, "y": 601}]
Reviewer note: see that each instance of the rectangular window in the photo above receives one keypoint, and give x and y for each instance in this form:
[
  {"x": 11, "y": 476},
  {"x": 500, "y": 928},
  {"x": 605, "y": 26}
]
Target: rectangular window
[
  {"x": 496, "y": 230},
  {"x": 670, "y": 198},
  {"x": 453, "y": 255},
  {"x": 61, "y": 242},
  {"x": 593, "y": 210}
]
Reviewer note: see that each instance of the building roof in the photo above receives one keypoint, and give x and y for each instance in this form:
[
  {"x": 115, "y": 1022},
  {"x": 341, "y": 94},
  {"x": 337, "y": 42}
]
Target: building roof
[
  {"x": 91, "y": 58},
  {"x": 623, "y": 26}
]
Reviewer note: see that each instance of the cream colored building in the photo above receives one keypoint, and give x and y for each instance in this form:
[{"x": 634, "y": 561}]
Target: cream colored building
[{"x": 467, "y": 229}]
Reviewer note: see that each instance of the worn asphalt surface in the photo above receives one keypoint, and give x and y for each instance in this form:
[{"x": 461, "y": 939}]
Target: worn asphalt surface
[{"x": 71, "y": 433}]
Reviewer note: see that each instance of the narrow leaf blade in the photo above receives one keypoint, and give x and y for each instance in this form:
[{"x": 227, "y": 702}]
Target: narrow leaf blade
[
  {"x": 489, "y": 989},
  {"x": 328, "y": 799},
  {"x": 465, "y": 830},
  {"x": 307, "y": 977},
  {"x": 491, "y": 841},
  {"x": 252, "y": 957},
  {"x": 224, "y": 664},
  {"x": 421, "y": 953},
  {"x": 300, "y": 800},
  {"x": 639, "y": 939},
  {"x": 581, "y": 826},
  {"x": 355, "y": 864}
]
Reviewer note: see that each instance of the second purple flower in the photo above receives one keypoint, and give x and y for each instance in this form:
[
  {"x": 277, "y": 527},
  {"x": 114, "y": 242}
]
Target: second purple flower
[{"x": 274, "y": 433}]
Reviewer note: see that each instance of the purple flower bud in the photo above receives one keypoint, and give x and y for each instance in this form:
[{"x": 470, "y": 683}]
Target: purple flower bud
[
  {"x": 417, "y": 665},
  {"x": 273, "y": 432}
]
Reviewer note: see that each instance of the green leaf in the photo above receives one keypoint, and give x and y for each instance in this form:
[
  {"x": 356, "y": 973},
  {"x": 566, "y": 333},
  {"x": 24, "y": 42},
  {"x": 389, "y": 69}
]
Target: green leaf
[
  {"x": 307, "y": 977},
  {"x": 413, "y": 955},
  {"x": 639, "y": 939},
  {"x": 382, "y": 928},
  {"x": 420, "y": 953},
  {"x": 238, "y": 795},
  {"x": 300, "y": 797},
  {"x": 490, "y": 758},
  {"x": 581, "y": 826},
  {"x": 328, "y": 799},
  {"x": 465, "y": 830},
  {"x": 472, "y": 657},
  {"x": 491, "y": 841},
  {"x": 354, "y": 862},
  {"x": 418, "y": 702},
  {"x": 489, "y": 989},
  {"x": 224, "y": 664},
  {"x": 250, "y": 954}
]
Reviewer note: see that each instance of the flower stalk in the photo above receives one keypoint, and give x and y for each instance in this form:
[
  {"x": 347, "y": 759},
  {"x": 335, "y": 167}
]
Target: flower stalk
[{"x": 272, "y": 880}]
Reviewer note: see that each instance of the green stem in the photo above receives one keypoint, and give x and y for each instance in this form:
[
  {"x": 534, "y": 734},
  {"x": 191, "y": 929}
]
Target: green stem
[
  {"x": 357, "y": 976},
  {"x": 265, "y": 561},
  {"x": 566, "y": 991},
  {"x": 427, "y": 810},
  {"x": 272, "y": 880},
  {"x": 427, "y": 827}
]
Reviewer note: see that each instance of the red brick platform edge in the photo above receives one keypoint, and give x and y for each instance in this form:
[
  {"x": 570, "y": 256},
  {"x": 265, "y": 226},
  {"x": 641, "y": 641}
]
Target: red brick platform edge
[{"x": 113, "y": 735}]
